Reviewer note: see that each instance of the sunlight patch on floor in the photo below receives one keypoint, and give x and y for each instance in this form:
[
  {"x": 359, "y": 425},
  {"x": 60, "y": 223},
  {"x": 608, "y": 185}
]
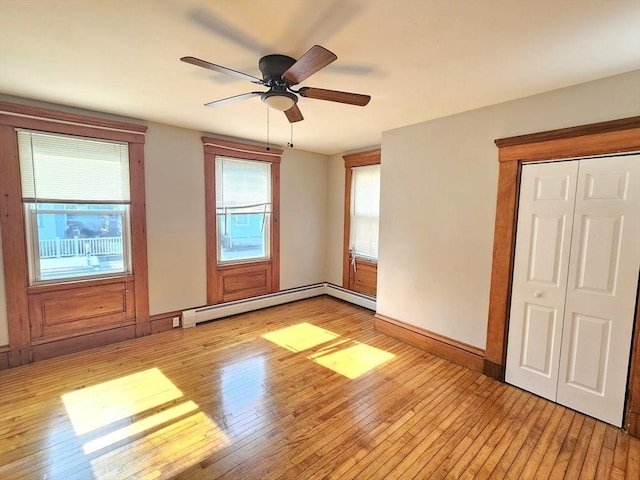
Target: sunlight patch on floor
[
  {"x": 99, "y": 405},
  {"x": 300, "y": 337},
  {"x": 139, "y": 427},
  {"x": 352, "y": 361},
  {"x": 162, "y": 453},
  {"x": 344, "y": 356},
  {"x": 140, "y": 414}
]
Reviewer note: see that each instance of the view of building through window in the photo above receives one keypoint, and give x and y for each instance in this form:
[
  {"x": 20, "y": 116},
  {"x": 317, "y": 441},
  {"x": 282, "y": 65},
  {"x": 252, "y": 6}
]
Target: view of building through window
[
  {"x": 77, "y": 240},
  {"x": 243, "y": 209}
]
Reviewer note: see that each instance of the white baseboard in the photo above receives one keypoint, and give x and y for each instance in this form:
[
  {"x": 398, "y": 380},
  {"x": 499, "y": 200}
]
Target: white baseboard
[
  {"x": 190, "y": 318},
  {"x": 352, "y": 297}
]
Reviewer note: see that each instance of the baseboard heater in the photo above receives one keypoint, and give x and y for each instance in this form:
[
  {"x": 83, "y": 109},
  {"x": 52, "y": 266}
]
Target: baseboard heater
[{"x": 190, "y": 318}]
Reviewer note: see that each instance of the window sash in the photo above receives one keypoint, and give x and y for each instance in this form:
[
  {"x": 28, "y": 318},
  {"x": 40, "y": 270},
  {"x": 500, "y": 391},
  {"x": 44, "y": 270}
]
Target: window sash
[
  {"x": 57, "y": 168},
  {"x": 243, "y": 187},
  {"x": 76, "y": 248},
  {"x": 242, "y": 184},
  {"x": 365, "y": 212},
  {"x": 239, "y": 248}
]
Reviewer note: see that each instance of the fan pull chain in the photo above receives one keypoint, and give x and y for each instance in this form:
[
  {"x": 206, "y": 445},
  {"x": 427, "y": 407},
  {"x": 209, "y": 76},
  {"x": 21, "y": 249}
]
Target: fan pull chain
[
  {"x": 290, "y": 144},
  {"x": 268, "y": 144}
]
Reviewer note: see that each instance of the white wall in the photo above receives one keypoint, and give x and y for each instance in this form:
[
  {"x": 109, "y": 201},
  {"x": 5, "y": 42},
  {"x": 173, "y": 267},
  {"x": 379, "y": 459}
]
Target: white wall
[
  {"x": 438, "y": 195},
  {"x": 303, "y": 218},
  {"x": 176, "y": 244},
  {"x": 335, "y": 219}
]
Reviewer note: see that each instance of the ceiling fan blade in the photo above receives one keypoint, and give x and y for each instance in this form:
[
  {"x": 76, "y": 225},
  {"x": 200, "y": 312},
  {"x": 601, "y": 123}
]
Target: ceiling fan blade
[
  {"x": 235, "y": 98},
  {"x": 217, "y": 25},
  {"x": 335, "y": 96},
  {"x": 221, "y": 69},
  {"x": 293, "y": 114},
  {"x": 315, "y": 59}
]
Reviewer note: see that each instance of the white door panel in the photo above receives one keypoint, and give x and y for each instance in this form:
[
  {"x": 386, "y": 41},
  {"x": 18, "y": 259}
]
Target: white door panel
[
  {"x": 547, "y": 195},
  {"x": 575, "y": 277},
  {"x": 602, "y": 288}
]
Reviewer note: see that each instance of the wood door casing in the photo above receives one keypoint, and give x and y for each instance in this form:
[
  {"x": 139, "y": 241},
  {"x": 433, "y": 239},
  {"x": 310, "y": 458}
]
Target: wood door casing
[{"x": 602, "y": 138}]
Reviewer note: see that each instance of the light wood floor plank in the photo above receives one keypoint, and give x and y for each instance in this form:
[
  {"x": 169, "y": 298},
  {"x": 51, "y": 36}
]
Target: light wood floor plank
[
  {"x": 605, "y": 462},
  {"x": 470, "y": 445},
  {"x": 576, "y": 462},
  {"x": 488, "y": 448},
  {"x": 528, "y": 438},
  {"x": 222, "y": 401},
  {"x": 555, "y": 443},
  {"x": 541, "y": 443},
  {"x": 619, "y": 467}
]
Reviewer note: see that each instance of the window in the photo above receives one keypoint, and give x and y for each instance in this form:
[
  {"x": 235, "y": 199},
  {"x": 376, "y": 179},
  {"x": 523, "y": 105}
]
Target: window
[
  {"x": 47, "y": 191},
  {"x": 365, "y": 211},
  {"x": 242, "y": 219},
  {"x": 76, "y": 197},
  {"x": 361, "y": 214},
  {"x": 243, "y": 209}
]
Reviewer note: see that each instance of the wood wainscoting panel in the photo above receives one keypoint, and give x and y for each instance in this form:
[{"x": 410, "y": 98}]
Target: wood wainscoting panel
[
  {"x": 363, "y": 277},
  {"x": 243, "y": 281},
  {"x": 68, "y": 345},
  {"x": 57, "y": 311},
  {"x": 439, "y": 345}
]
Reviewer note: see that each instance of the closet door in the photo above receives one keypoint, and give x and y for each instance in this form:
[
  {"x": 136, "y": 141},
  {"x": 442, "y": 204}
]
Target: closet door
[
  {"x": 547, "y": 195},
  {"x": 602, "y": 288}
]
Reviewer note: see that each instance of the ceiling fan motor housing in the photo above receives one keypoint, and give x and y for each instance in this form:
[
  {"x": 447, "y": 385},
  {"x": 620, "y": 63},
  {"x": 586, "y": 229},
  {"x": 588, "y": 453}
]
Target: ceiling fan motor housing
[{"x": 272, "y": 68}]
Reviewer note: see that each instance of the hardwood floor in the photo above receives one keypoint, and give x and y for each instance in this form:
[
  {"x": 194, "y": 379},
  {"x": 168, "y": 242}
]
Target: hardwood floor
[{"x": 301, "y": 391}]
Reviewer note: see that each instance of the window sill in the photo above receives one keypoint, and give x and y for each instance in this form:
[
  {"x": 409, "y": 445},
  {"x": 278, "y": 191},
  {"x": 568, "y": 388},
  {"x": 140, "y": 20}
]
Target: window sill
[
  {"x": 78, "y": 283},
  {"x": 240, "y": 263}
]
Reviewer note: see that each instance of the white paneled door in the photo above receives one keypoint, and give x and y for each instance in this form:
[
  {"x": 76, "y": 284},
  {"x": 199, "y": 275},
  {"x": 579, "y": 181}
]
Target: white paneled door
[
  {"x": 575, "y": 281},
  {"x": 547, "y": 194}
]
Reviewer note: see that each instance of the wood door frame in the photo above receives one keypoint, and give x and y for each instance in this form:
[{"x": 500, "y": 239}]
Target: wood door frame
[
  {"x": 216, "y": 273},
  {"x": 360, "y": 159},
  {"x": 616, "y": 136}
]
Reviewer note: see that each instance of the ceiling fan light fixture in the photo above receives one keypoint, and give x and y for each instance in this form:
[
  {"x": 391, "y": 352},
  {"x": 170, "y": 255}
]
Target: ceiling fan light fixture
[{"x": 281, "y": 101}]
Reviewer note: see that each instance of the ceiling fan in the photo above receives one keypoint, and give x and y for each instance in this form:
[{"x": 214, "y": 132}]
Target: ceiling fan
[{"x": 280, "y": 73}]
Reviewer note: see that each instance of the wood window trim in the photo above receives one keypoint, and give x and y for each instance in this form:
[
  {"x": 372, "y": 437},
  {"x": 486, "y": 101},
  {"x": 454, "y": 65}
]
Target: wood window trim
[
  {"x": 360, "y": 159},
  {"x": 617, "y": 136},
  {"x": 14, "y": 250},
  {"x": 216, "y": 147}
]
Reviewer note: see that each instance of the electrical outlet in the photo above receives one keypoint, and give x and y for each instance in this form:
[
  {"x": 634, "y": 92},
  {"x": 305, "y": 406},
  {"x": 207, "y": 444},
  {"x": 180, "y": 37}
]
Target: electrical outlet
[{"x": 176, "y": 321}]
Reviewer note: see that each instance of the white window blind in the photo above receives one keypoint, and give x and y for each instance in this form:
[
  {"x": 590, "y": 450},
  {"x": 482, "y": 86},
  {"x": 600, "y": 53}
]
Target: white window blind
[
  {"x": 242, "y": 186},
  {"x": 62, "y": 168},
  {"x": 365, "y": 211}
]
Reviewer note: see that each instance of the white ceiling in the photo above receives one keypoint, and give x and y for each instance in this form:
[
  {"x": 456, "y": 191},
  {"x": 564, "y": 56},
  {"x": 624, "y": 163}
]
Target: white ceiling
[{"x": 417, "y": 59}]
